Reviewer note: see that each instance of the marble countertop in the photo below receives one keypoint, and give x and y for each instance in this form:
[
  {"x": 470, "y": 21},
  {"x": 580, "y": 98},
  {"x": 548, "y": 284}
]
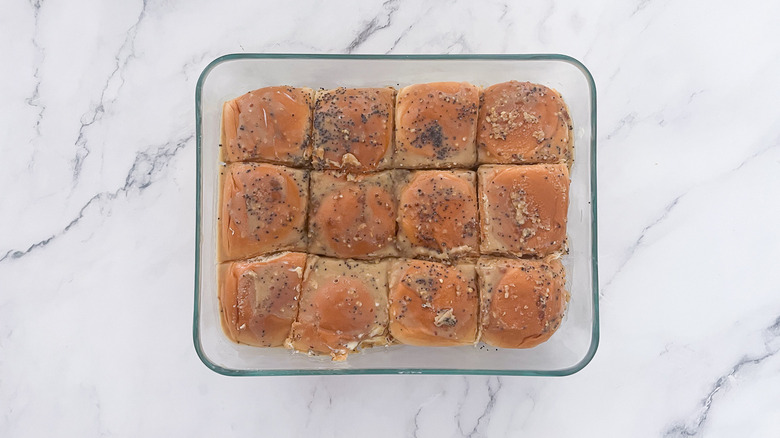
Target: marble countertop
[{"x": 97, "y": 217}]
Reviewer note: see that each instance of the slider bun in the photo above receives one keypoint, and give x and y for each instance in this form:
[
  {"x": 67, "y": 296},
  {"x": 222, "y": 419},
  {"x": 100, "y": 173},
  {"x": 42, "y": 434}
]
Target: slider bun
[
  {"x": 343, "y": 307},
  {"x": 524, "y": 209},
  {"x": 259, "y": 298},
  {"x": 433, "y": 304},
  {"x": 522, "y": 301},
  {"x": 263, "y": 210},
  {"x": 523, "y": 123},
  {"x": 271, "y": 124}
]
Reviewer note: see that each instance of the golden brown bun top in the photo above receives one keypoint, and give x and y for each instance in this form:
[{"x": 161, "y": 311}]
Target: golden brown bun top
[
  {"x": 270, "y": 123},
  {"x": 343, "y": 305},
  {"x": 438, "y": 209},
  {"x": 436, "y": 120},
  {"x": 259, "y": 298},
  {"x": 526, "y": 304},
  {"x": 353, "y": 128},
  {"x": 356, "y": 216},
  {"x": 524, "y": 122},
  {"x": 340, "y": 301},
  {"x": 433, "y": 303},
  {"x": 262, "y": 204},
  {"x": 528, "y": 205}
]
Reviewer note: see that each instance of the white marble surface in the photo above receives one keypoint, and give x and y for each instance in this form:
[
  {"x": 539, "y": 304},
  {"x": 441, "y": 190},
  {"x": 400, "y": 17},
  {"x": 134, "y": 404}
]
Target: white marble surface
[{"x": 97, "y": 217}]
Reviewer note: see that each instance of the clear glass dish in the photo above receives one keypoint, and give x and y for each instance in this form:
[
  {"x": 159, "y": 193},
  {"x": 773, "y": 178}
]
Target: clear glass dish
[{"x": 567, "y": 352}]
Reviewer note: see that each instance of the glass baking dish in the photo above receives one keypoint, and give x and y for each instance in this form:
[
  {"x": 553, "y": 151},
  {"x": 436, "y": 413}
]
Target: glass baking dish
[{"x": 567, "y": 352}]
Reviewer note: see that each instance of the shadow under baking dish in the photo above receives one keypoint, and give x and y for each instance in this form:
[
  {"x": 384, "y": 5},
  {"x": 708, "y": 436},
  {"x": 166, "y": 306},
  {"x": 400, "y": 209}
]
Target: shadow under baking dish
[{"x": 570, "y": 348}]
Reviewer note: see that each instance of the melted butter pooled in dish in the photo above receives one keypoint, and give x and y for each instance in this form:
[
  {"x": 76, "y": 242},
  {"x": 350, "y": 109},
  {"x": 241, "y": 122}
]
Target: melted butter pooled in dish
[
  {"x": 343, "y": 307},
  {"x": 271, "y": 124},
  {"x": 524, "y": 209},
  {"x": 436, "y": 125},
  {"x": 521, "y": 122},
  {"x": 437, "y": 214},
  {"x": 353, "y": 129},
  {"x": 522, "y": 301},
  {"x": 259, "y": 298},
  {"x": 433, "y": 304},
  {"x": 263, "y": 210},
  {"x": 352, "y": 216}
]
